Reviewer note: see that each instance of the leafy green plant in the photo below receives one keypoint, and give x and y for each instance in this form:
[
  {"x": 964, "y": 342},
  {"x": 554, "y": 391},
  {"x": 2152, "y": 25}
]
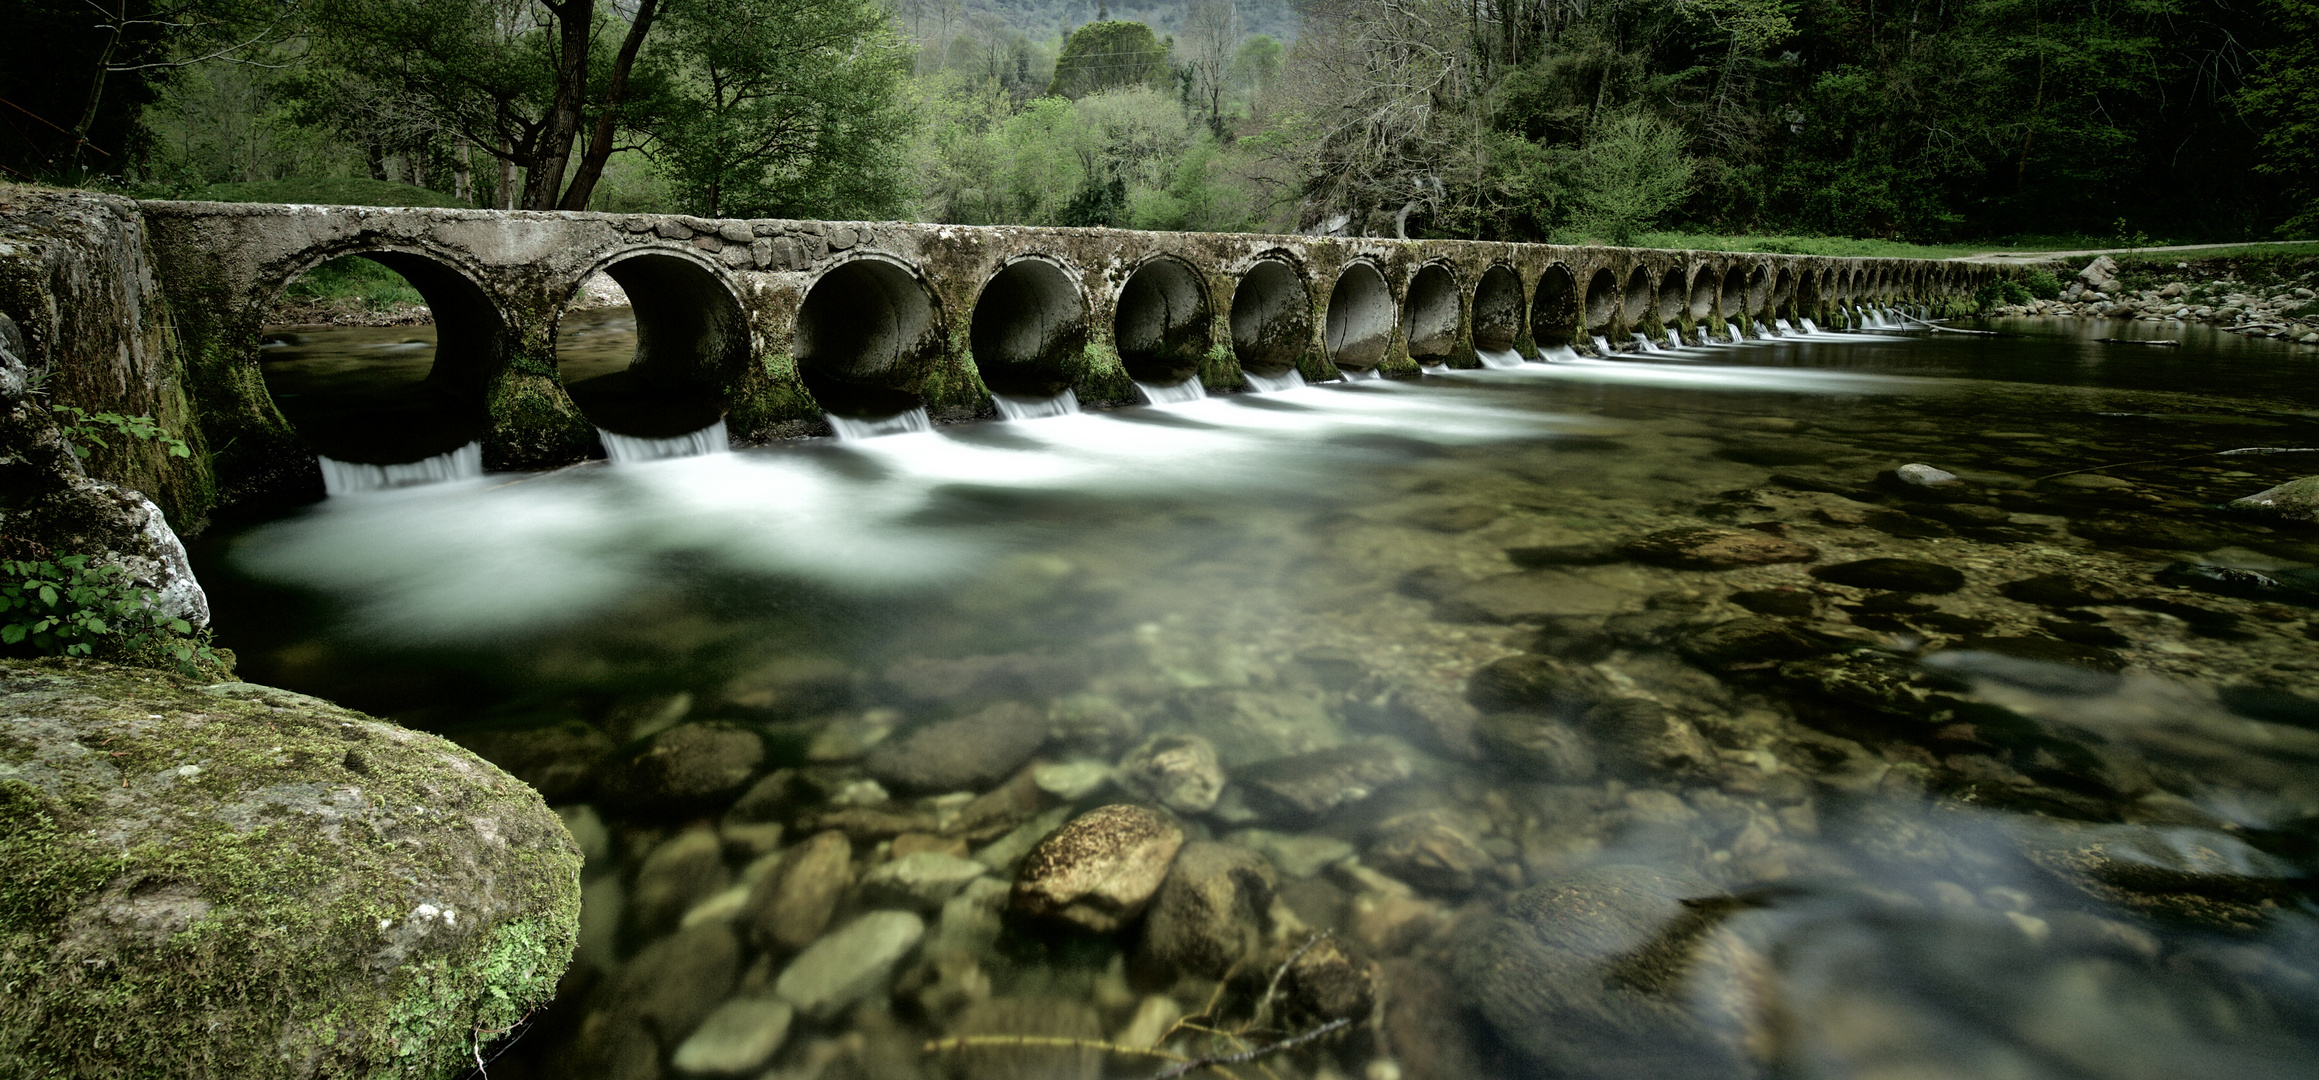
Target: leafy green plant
[
  {"x": 68, "y": 607},
  {"x": 1998, "y": 293},
  {"x": 82, "y": 429},
  {"x": 2041, "y": 284}
]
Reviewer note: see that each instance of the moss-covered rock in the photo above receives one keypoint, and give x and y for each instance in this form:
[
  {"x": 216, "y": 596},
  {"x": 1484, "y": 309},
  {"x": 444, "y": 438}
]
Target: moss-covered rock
[{"x": 238, "y": 881}]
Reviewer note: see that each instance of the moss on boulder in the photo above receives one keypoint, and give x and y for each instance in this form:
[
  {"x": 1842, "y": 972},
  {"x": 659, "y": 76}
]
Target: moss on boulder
[{"x": 234, "y": 880}]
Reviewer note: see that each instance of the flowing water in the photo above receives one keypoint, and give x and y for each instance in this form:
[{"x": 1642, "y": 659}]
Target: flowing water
[
  {"x": 1186, "y": 391},
  {"x": 1291, "y": 379},
  {"x": 1604, "y": 718},
  {"x": 1012, "y": 407},
  {"x": 349, "y": 477},
  {"x": 712, "y": 439},
  {"x": 1496, "y": 358}
]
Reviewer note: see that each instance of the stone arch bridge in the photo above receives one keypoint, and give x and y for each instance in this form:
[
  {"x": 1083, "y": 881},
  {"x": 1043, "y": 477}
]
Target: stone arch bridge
[{"x": 770, "y": 324}]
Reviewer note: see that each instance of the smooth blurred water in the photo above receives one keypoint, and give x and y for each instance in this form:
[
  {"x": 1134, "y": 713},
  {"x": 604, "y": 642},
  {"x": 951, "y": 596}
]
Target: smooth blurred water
[{"x": 1928, "y": 850}]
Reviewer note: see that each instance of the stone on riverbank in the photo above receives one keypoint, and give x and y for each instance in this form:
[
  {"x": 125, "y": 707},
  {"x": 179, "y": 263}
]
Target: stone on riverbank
[
  {"x": 2295, "y": 500},
  {"x": 242, "y": 881}
]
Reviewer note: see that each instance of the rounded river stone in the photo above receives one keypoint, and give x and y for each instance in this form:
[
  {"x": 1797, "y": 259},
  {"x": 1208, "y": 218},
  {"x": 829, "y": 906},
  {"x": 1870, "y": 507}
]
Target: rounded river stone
[
  {"x": 1893, "y": 575},
  {"x": 240, "y": 881},
  {"x": 1100, "y": 868}
]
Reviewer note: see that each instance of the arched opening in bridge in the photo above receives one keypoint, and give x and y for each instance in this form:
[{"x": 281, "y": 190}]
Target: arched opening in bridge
[
  {"x": 866, "y": 335},
  {"x": 1497, "y": 310},
  {"x": 1734, "y": 302},
  {"x": 1783, "y": 294},
  {"x": 1029, "y": 330},
  {"x": 1360, "y": 322},
  {"x": 1673, "y": 298},
  {"x": 1161, "y": 327},
  {"x": 409, "y": 391},
  {"x": 1602, "y": 303},
  {"x": 1271, "y": 319},
  {"x": 1640, "y": 299},
  {"x": 1703, "y": 294},
  {"x": 1429, "y": 317},
  {"x": 661, "y": 366},
  {"x": 1759, "y": 293},
  {"x": 1807, "y": 300},
  {"x": 1554, "y": 308}
]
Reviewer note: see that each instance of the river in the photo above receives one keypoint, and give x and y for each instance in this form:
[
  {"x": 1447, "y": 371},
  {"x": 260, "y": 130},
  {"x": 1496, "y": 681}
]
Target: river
[{"x": 1614, "y": 719}]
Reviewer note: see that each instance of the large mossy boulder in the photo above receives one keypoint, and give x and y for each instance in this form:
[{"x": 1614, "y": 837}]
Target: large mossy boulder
[{"x": 238, "y": 881}]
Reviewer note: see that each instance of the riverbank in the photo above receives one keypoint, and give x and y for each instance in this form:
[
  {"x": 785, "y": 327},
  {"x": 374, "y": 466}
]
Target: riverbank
[{"x": 2251, "y": 296}]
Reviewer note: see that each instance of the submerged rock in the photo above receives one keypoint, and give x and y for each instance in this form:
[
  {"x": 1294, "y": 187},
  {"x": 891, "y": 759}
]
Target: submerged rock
[
  {"x": 1893, "y": 575},
  {"x": 262, "y": 881},
  {"x": 1536, "y": 747},
  {"x": 2061, "y": 591},
  {"x": 971, "y": 752},
  {"x": 737, "y": 1038},
  {"x": 1600, "y": 974},
  {"x": 920, "y": 880},
  {"x": 686, "y": 767},
  {"x": 2292, "y": 587},
  {"x": 555, "y": 759},
  {"x": 1179, "y": 772},
  {"x": 850, "y": 964},
  {"x": 1099, "y": 869},
  {"x": 1531, "y": 596},
  {"x": 1530, "y": 683},
  {"x": 1705, "y": 548},
  {"x": 1432, "y": 849},
  {"x": 1213, "y": 912},
  {"x": 1315, "y": 783},
  {"x": 792, "y": 903},
  {"x": 1919, "y": 475}
]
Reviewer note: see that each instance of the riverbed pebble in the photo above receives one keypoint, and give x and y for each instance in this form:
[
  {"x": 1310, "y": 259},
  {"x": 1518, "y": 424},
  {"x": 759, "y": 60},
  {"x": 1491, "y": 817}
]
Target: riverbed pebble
[
  {"x": 970, "y": 752},
  {"x": 849, "y": 964},
  {"x": 1099, "y": 869}
]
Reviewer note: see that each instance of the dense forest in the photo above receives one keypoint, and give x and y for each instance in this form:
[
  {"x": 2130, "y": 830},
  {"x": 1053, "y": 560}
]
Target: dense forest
[{"x": 1921, "y": 120}]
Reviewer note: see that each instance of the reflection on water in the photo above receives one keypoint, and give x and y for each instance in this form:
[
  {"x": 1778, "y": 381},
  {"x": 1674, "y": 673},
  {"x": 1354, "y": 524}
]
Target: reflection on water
[{"x": 1607, "y": 718}]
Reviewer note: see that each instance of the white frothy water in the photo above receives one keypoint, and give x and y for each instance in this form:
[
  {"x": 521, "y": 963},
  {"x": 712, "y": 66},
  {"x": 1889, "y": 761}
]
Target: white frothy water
[
  {"x": 849, "y": 428},
  {"x": 1187, "y": 390},
  {"x": 1810, "y": 327},
  {"x": 1785, "y": 328},
  {"x": 1499, "y": 358},
  {"x": 1035, "y": 408},
  {"x": 1736, "y": 337},
  {"x": 1764, "y": 332},
  {"x": 349, "y": 477},
  {"x": 1601, "y": 345},
  {"x": 1674, "y": 338},
  {"x": 1274, "y": 384},
  {"x": 630, "y": 448},
  {"x": 1361, "y": 374},
  {"x": 1558, "y": 354},
  {"x": 1644, "y": 344}
]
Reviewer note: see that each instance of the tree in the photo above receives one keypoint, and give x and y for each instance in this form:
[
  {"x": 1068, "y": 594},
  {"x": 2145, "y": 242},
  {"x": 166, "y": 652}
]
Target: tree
[
  {"x": 1210, "y": 37},
  {"x": 1632, "y": 171},
  {"x": 2285, "y": 94},
  {"x": 519, "y": 78},
  {"x": 75, "y": 76},
  {"x": 780, "y": 107},
  {"x": 1108, "y": 55}
]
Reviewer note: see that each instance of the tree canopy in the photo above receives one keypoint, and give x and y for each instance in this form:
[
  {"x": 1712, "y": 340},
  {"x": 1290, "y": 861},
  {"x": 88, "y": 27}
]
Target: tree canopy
[{"x": 1108, "y": 55}]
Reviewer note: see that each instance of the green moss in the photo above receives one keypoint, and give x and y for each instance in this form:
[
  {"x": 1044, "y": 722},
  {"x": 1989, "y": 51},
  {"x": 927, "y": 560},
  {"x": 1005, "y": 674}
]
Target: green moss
[
  {"x": 242, "y": 919},
  {"x": 1220, "y": 370},
  {"x": 1103, "y": 377}
]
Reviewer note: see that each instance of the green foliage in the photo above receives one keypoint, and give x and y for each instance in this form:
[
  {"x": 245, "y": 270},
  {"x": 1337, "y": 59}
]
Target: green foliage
[
  {"x": 2284, "y": 94},
  {"x": 2041, "y": 284},
  {"x": 68, "y": 607},
  {"x": 352, "y": 277},
  {"x": 1110, "y": 55},
  {"x": 1632, "y": 171},
  {"x": 2000, "y": 292},
  {"x": 82, "y": 429},
  {"x": 779, "y": 108}
]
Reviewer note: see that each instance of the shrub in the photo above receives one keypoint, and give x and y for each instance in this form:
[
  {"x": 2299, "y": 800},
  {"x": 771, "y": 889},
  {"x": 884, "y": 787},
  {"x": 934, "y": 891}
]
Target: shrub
[
  {"x": 67, "y": 607},
  {"x": 2042, "y": 285}
]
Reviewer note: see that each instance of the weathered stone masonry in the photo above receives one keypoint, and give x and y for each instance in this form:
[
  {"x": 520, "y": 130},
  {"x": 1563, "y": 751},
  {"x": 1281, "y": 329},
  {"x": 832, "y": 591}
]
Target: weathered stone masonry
[{"x": 782, "y": 320}]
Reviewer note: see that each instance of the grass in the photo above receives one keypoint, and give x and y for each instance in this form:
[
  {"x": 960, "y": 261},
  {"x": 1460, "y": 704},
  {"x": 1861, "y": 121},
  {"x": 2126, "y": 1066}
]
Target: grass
[
  {"x": 337, "y": 191},
  {"x": 2249, "y": 251},
  {"x": 352, "y": 277}
]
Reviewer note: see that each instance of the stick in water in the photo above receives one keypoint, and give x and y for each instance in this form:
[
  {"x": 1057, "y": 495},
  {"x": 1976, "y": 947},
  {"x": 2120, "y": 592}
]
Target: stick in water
[{"x": 1182, "y": 1068}]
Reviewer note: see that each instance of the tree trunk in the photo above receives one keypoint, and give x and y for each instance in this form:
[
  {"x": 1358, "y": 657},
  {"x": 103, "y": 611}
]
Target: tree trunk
[
  {"x": 80, "y": 131},
  {"x": 504, "y": 197},
  {"x": 607, "y": 121},
  {"x": 545, "y": 180},
  {"x": 462, "y": 176},
  {"x": 374, "y": 155}
]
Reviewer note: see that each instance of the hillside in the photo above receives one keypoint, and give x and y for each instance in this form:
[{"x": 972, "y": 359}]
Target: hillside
[{"x": 1040, "y": 20}]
